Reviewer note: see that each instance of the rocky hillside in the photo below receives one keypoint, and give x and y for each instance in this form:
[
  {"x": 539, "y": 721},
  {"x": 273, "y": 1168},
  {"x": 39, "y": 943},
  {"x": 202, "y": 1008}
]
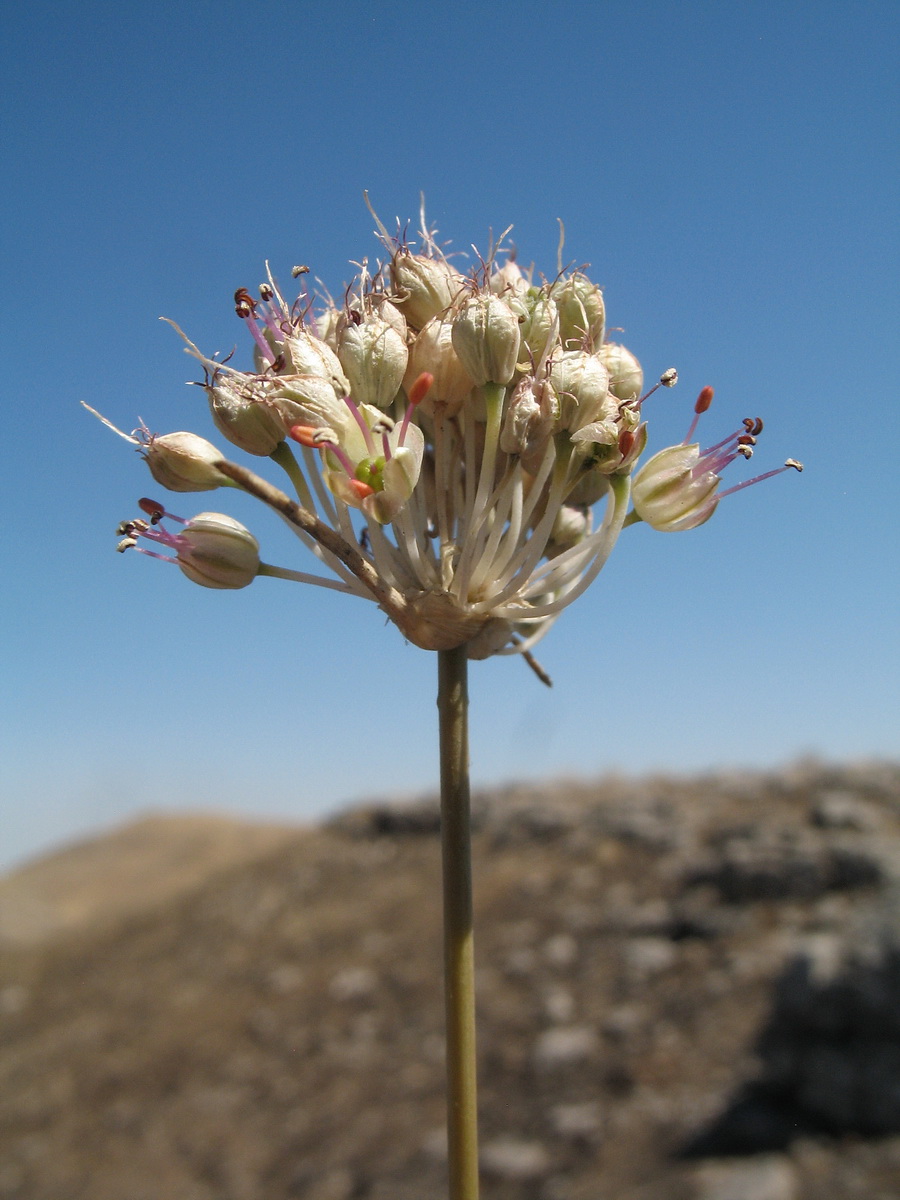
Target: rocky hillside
[{"x": 689, "y": 989}]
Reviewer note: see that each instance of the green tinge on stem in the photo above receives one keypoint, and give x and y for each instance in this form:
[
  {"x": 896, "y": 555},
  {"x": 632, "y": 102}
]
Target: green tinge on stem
[
  {"x": 283, "y": 455},
  {"x": 459, "y": 969}
]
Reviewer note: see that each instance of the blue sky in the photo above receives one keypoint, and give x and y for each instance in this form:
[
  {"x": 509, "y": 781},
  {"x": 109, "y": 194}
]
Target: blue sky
[{"x": 729, "y": 172}]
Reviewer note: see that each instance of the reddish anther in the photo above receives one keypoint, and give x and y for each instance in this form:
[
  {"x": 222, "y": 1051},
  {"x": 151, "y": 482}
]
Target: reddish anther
[
  {"x": 704, "y": 400},
  {"x": 305, "y": 435},
  {"x": 420, "y": 388},
  {"x": 361, "y": 489},
  {"x": 626, "y": 441},
  {"x": 152, "y": 508}
]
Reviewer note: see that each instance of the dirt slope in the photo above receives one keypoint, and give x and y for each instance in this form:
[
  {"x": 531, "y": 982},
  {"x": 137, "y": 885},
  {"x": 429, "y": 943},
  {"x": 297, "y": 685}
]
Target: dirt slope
[{"x": 688, "y": 990}]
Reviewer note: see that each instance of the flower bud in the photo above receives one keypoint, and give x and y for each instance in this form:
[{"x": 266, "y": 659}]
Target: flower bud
[
  {"x": 374, "y": 356},
  {"x": 591, "y": 485},
  {"x": 244, "y": 418},
  {"x": 572, "y": 525},
  {"x": 538, "y": 328},
  {"x": 423, "y": 287},
  {"x": 382, "y": 307},
  {"x": 328, "y": 325},
  {"x": 486, "y": 338},
  {"x": 308, "y": 400},
  {"x": 582, "y": 384},
  {"x": 582, "y": 315},
  {"x": 530, "y": 416},
  {"x": 626, "y": 379},
  {"x": 432, "y": 351},
  {"x": 670, "y": 494},
  {"x": 218, "y": 552},
  {"x": 508, "y": 281},
  {"x": 183, "y": 462},
  {"x": 310, "y": 355}
]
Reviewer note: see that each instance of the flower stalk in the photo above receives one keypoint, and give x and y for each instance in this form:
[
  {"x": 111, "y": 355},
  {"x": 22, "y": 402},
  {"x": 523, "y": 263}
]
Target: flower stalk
[{"x": 459, "y": 968}]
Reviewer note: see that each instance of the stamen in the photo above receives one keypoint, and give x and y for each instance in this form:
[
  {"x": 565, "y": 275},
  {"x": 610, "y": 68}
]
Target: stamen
[
  {"x": 306, "y": 435},
  {"x": 382, "y": 425},
  {"x": 704, "y": 400},
  {"x": 152, "y": 508},
  {"x": 244, "y": 303},
  {"x": 420, "y": 389},
  {"x": 418, "y": 393},
  {"x": 791, "y": 463},
  {"x": 361, "y": 489},
  {"x": 667, "y": 379}
]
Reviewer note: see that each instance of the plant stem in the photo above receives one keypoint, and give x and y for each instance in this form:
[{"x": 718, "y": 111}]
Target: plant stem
[{"x": 459, "y": 972}]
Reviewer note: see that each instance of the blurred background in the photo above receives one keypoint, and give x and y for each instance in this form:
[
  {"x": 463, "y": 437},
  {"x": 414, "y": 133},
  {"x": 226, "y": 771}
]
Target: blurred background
[{"x": 730, "y": 175}]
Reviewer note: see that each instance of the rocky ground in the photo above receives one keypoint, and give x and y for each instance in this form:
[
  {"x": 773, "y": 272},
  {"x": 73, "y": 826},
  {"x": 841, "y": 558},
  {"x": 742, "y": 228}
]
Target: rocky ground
[{"x": 689, "y": 989}]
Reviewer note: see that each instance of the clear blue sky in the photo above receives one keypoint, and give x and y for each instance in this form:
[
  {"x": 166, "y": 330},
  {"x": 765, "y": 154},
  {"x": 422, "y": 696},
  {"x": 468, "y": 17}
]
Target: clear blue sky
[{"x": 730, "y": 172}]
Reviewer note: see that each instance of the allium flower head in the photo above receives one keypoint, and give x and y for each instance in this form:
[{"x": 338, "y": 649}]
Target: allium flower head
[{"x": 460, "y": 446}]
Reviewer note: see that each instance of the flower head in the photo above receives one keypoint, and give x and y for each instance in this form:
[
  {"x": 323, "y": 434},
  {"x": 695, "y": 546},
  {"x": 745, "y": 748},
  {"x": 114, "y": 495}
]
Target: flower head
[{"x": 461, "y": 447}]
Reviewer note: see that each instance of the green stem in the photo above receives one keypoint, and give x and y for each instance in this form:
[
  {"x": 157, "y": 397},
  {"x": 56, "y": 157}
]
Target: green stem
[
  {"x": 459, "y": 969},
  {"x": 284, "y": 456}
]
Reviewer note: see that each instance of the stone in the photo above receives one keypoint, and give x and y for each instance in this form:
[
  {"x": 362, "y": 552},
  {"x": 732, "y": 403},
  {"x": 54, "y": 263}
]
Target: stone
[
  {"x": 352, "y": 983},
  {"x": 766, "y": 1178},
  {"x": 582, "y": 1120},
  {"x": 567, "y": 1044},
  {"x": 510, "y": 1158}
]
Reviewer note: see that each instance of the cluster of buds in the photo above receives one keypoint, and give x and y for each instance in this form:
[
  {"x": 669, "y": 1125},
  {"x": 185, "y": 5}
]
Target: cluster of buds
[{"x": 464, "y": 447}]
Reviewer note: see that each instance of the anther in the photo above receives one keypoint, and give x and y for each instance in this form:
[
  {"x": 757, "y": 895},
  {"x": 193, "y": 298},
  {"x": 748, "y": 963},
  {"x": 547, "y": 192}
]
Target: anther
[
  {"x": 126, "y": 544},
  {"x": 125, "y": 529},
  {"x": 746, "y": 439},
  {"x": 298, "y": 271},
  {"x": 704, "y": 400},
  {"x": 361, "y": 489},
  {"x": 753, "y": 425},
  {"x": 669, "y": 378},
  {"x": 382, "y": 424},
  {"x": 420, "y": 388},
  {"x": 266, "y": 292},
  {"x": 152, "y": 508},
  {"x": 745, "y": 451},
  {"x": 626, "y": 441},
  {"x": 792, "y": 462},
  {"x": 244, "y": 303},
  {"x": 305, "y": 435}
]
